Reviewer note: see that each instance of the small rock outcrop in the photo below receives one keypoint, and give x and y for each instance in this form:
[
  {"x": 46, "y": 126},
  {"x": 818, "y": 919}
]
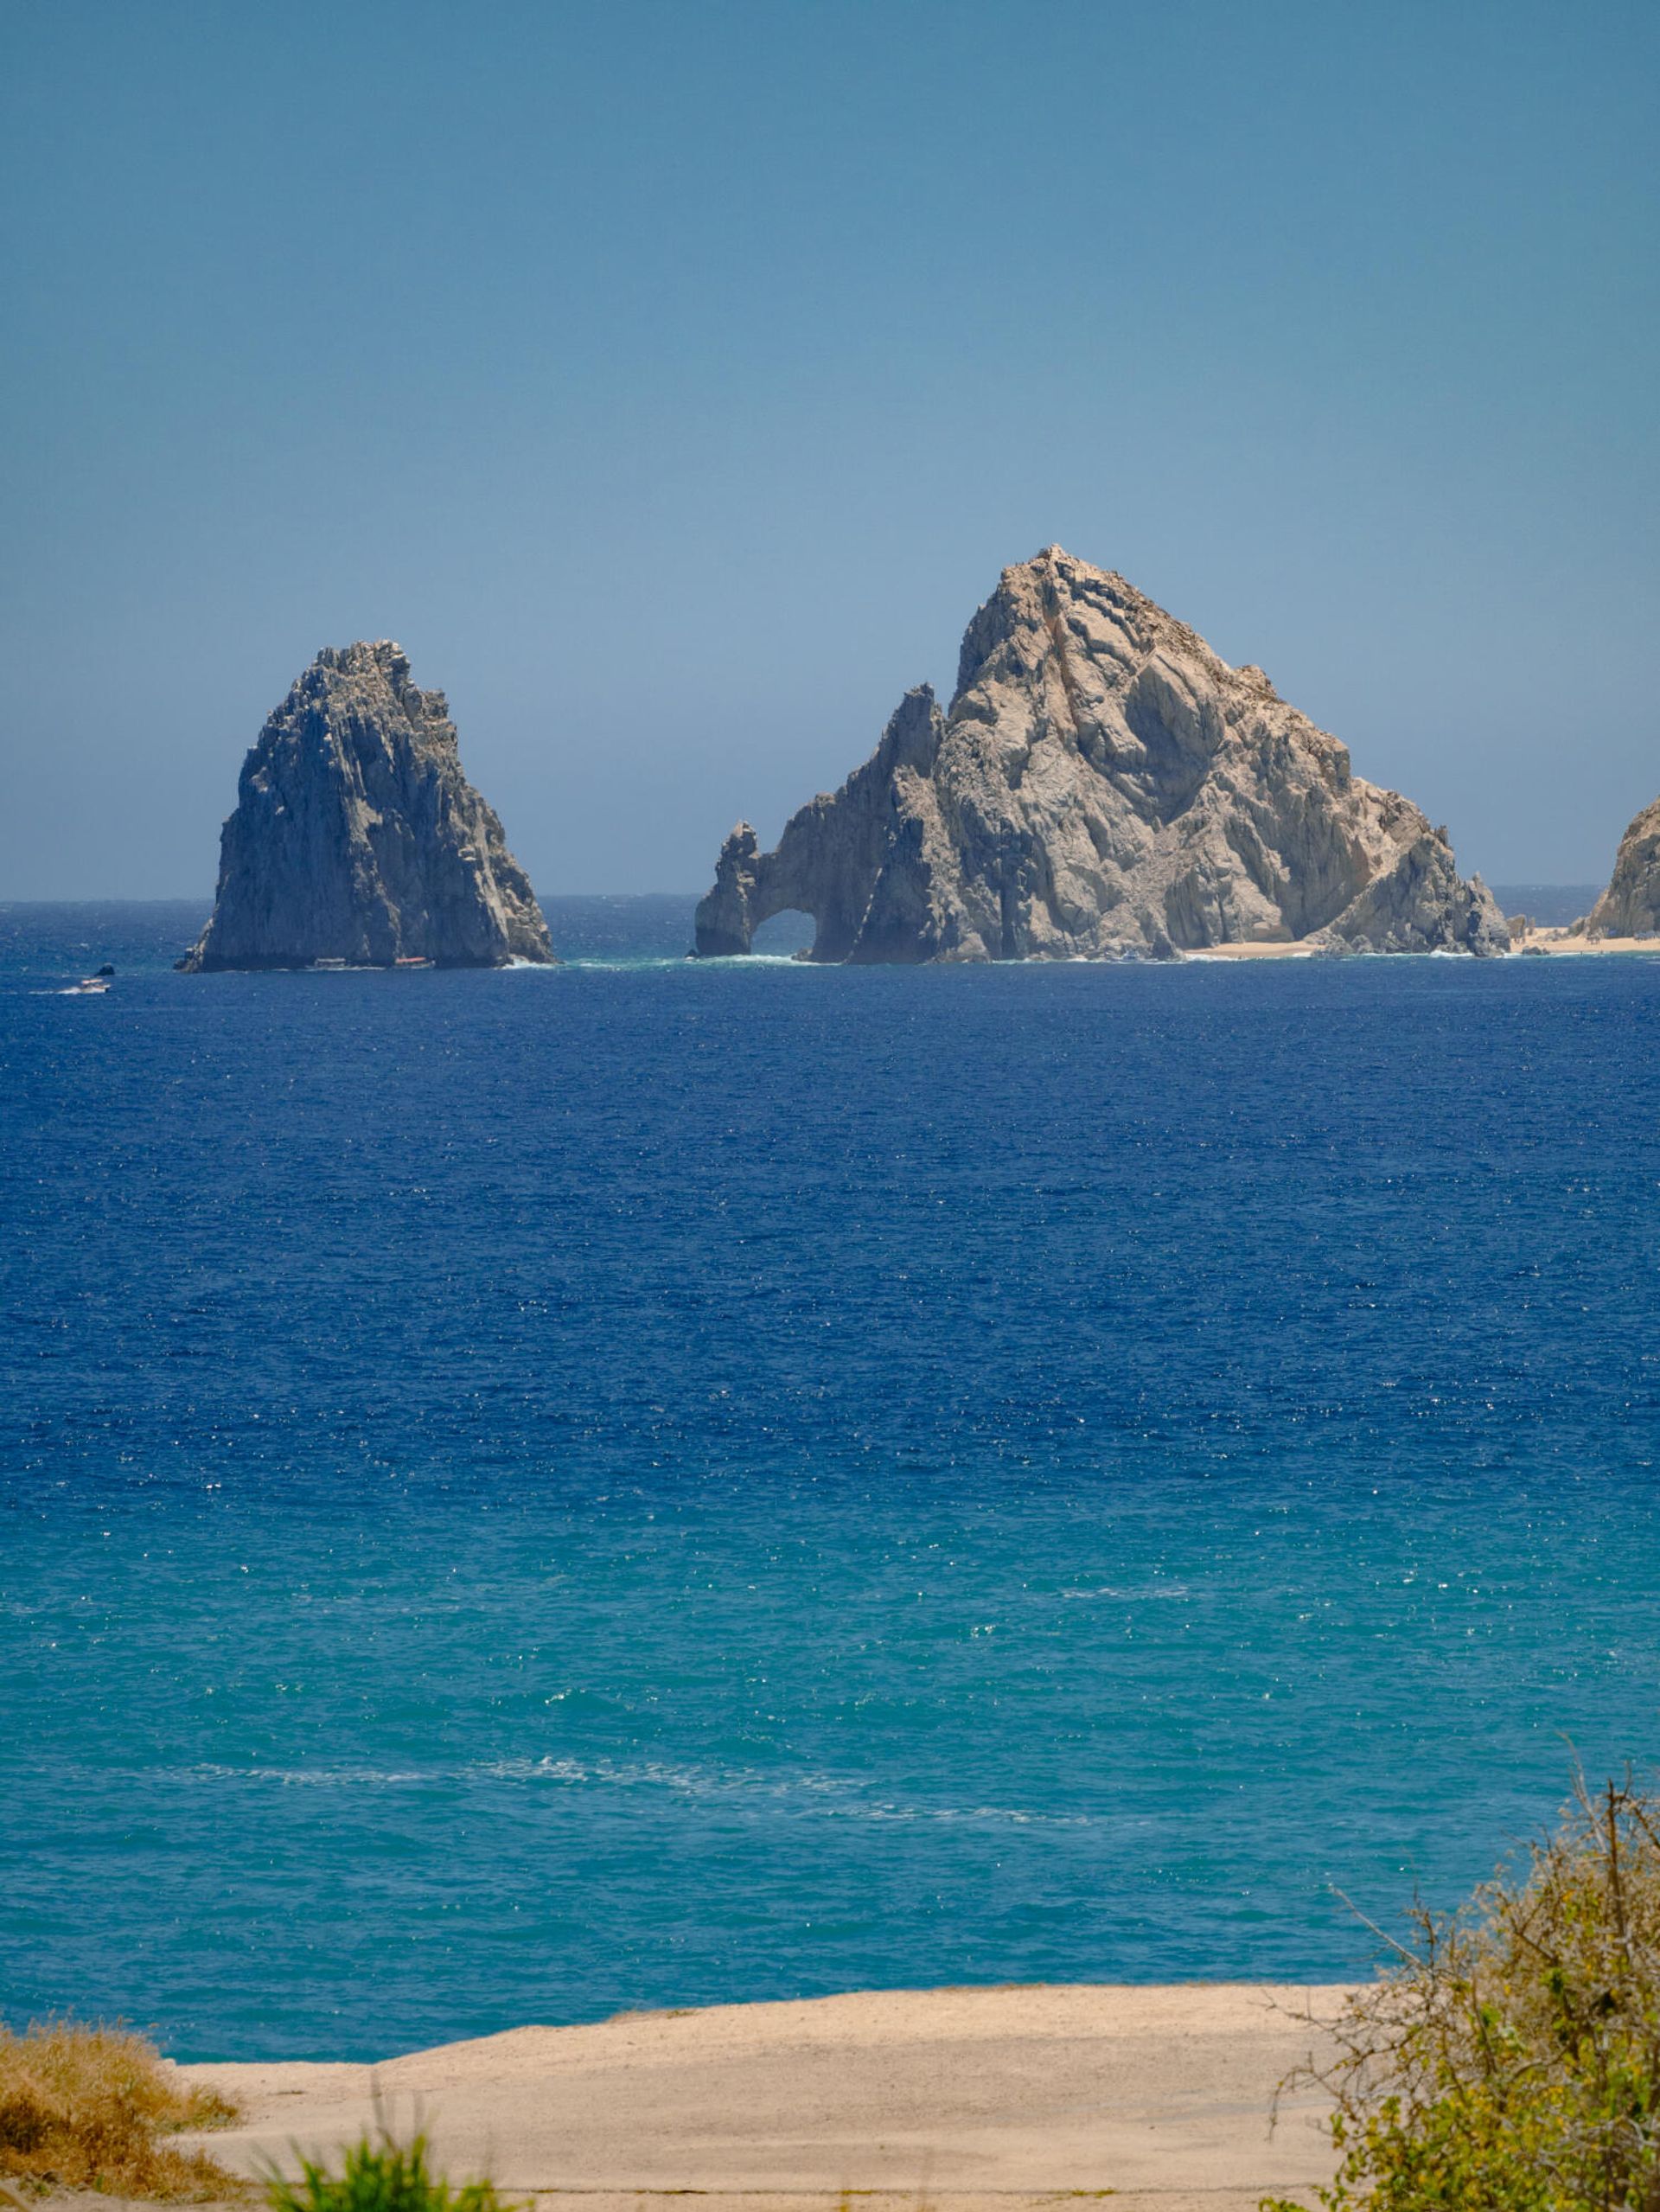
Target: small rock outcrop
[
  {"x": 1631, "y": 905},
  {"x": 356, "y": 837},
  {"x": 1103, "y": 785}
]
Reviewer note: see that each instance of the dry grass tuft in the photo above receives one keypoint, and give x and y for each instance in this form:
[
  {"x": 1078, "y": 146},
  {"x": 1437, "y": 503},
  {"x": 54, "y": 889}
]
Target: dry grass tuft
[{"x": 92, "y": 2108}]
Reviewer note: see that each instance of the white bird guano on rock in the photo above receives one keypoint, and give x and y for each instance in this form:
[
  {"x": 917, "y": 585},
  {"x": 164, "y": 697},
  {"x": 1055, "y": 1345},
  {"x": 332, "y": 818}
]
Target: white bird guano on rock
[
  {"x": 357, "y": 838},
  {"x": 1104, "y": 785}
]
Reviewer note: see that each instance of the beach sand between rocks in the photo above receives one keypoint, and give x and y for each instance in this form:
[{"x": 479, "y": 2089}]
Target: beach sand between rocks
[
  {"x": 965, "y": 2100},
  {"x": 1556, "y": 943},
  {"x": 1561, "y": 946}
]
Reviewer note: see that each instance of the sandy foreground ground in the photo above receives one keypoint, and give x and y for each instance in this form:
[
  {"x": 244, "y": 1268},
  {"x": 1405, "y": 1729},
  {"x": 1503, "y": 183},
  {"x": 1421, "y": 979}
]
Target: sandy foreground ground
[{"x": 962, "y": 2100}]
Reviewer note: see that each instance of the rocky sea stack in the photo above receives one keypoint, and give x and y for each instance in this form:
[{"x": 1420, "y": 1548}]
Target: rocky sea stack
[
  {"x": 357, "y": 838},
  {"x": 1103, "y": 785},
  {"x": 1631, "y": 905}
]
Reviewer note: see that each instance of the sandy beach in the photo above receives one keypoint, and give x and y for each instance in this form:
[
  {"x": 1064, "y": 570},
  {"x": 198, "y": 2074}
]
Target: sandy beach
[
  {"x": 1557, "y": 942},
  {"x": 1277, "y": 949},
  {"x": 964, "y": 2098}
]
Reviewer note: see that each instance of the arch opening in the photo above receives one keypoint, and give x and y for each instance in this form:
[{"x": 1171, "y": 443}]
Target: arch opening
[{"x": 784, "y": 934}]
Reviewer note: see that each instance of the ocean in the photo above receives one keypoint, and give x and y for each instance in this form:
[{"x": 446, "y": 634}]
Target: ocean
[{"x": 526, "y": 1495}]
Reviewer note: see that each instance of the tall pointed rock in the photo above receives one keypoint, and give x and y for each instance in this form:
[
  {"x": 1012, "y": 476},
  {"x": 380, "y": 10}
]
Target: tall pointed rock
[
  {"x": 1631, "y": 905},
  {"x": 356, "y": 837},
  {"x": 1102, "y": 785}
]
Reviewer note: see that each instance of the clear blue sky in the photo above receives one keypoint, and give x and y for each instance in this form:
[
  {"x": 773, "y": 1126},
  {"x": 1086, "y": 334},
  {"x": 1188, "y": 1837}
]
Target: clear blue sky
[{"x": 673, "y": 379}]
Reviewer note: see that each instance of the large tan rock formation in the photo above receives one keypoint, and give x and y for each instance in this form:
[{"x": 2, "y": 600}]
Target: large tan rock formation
[{"x": 1102, "y": 785}]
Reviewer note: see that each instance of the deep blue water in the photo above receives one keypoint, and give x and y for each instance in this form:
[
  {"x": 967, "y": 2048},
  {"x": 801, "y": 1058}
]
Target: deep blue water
[{"x": 534, "y": 1493}]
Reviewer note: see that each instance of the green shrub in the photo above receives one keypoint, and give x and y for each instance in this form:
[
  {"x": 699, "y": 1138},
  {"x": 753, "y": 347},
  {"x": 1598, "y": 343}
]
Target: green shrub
[
  {"x": 1510, "y": 2060},
  {"x": 380, "y": 2177}
]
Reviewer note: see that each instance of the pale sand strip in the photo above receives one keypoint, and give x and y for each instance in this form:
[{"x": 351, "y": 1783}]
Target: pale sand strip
[
  {"x": 976, "y": 2100},
  {"x": 1548, "y": 940},
  {"x": 1560, "y": 947},
  {"x": 1279, "y": 948}
]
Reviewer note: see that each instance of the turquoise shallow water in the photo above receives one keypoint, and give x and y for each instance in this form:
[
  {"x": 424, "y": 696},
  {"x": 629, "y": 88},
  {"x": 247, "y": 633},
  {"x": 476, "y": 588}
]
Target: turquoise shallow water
[{"x": 524, "y": 1495}]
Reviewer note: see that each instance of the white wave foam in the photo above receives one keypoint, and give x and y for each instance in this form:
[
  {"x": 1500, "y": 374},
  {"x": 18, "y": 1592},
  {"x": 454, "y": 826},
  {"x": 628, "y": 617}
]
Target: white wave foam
[
  {"x": 825, "y": 1795},
  {"x": 1145, "y": 1590}
]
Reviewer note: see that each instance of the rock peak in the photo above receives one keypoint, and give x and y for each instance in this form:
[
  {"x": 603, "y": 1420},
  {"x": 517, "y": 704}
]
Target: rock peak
[
  {"x": 357, "y": 838},
  {"x": 379, "y": 652}
]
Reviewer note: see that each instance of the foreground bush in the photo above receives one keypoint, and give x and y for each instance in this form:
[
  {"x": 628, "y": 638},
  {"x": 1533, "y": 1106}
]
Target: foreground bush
[
  {"x": 1510, "y": 2062},
  {"x": 383, "y": 2177},
  {"x": 92, "y": 2108}
]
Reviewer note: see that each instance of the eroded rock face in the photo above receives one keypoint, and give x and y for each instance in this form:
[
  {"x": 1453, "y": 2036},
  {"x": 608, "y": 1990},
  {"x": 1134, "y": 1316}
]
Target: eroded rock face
[
  {"x": 356, "y": 837},
  {"x": 1103, "y": 785},
  {"x": 1631, "y": 905}
]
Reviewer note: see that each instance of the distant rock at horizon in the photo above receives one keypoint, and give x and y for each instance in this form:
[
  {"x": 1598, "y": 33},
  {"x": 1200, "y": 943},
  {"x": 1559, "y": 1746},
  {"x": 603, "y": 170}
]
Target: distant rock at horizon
[
  {"x": 357, "y": 838},
  {"x": 1103, "y": 785},
  {"x": 1631, "y": 905}
]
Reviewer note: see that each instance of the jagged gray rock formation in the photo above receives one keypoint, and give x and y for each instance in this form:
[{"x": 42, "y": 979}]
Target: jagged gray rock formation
[
  {"x": 357, "y": 838},
  {"x": 1631, "y": 905},
  {"x": 1103, "y": 784}
]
